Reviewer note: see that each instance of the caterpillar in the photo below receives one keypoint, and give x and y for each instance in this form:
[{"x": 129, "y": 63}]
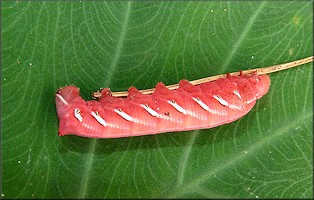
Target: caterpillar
[{"x": 185, "y": 106}]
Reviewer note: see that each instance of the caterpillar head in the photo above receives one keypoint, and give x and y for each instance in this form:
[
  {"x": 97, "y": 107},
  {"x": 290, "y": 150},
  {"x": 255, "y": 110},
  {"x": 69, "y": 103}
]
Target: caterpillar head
[
  {"x": 64, "y": 96},
  {"x": 69, "y": 105}
]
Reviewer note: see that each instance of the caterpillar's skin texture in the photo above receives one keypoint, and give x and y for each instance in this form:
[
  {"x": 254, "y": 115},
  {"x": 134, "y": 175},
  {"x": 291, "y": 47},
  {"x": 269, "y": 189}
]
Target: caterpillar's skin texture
[{"x": 188, "y": 108}]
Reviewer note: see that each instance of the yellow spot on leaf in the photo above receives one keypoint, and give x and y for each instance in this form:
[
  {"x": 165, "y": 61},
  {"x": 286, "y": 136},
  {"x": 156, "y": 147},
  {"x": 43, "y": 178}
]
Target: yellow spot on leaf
[{"x": 296, "y": 20}]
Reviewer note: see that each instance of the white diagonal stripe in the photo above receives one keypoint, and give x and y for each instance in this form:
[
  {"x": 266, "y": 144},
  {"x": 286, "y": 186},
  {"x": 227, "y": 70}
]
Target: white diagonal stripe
[
  {"x": 236, "y": 92},
  {"x": 99, "y": 118},
  {"x": 221, "y": 100},
  {"x": 176, "y": 106},
  {"x": 77, "y": 114},
  {"x": 150, "y": 111},
  {"x": 124, "y": 115},
  {"x": 62, "y": 99},
  {"x": 201, "y": 103}
]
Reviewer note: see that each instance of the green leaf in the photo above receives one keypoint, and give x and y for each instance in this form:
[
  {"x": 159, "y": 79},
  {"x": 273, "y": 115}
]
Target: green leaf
[{"x": 47, "y": 45}]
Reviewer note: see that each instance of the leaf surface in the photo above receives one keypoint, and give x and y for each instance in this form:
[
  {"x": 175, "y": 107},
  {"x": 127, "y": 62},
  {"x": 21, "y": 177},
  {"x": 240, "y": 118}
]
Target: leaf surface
[{"x": 47, "y": 45}]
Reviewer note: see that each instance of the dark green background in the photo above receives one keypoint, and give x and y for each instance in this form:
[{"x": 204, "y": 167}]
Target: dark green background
[{"x": 47, "y": 45}]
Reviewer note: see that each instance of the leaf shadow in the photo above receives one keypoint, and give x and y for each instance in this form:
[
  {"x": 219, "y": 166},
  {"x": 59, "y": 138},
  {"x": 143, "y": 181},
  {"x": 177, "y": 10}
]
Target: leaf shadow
[{"x": 165, "y": 140}]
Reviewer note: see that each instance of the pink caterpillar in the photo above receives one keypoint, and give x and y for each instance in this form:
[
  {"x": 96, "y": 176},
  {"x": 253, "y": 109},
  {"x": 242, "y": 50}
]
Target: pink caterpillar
[{"x": 189, "y": 107}]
